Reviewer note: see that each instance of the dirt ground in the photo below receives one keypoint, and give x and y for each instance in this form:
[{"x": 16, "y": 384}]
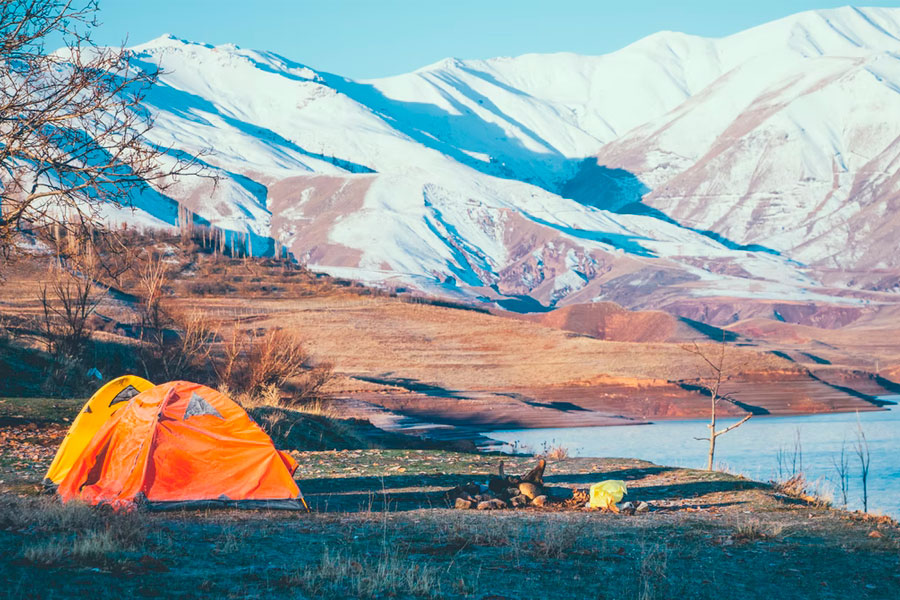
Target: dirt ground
[{"x": 380, "y": 527}]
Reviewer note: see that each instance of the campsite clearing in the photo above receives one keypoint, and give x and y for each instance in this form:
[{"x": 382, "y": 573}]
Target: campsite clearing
[{"x": 380, "y": 528}]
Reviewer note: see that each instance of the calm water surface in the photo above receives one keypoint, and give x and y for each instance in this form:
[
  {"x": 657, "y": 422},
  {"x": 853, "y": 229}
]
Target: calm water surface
[{"x": 764, "y": 448}]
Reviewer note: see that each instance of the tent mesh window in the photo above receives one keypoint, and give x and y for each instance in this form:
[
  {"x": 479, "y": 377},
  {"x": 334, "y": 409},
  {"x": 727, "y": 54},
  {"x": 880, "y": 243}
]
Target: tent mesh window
[
  {"x": 198, "y": 406},
  {"x": 125, "y": 395}
]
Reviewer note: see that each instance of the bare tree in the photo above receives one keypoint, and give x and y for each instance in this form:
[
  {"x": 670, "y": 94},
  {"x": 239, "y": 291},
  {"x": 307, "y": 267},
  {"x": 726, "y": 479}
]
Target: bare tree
[
  {"x": 72, "y": 124},
  {"x": 790, "y": 460},
  {"x": 842, "y": 466},
  {"x": 716, "y": 364},
  {"x": 862, "y": 453}
]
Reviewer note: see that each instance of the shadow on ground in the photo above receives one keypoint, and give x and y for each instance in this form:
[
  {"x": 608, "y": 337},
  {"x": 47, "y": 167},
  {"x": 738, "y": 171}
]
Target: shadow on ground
[{"x": 397, "y": 493}]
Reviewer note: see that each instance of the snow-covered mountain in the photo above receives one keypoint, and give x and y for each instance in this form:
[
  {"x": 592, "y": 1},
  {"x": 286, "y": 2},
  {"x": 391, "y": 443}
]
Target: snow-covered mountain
[{"x": 763, "y": 164}]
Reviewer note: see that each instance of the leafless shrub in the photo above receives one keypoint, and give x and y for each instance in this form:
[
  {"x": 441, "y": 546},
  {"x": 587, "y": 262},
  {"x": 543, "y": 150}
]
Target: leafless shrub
[
  {"x": 174, "y": 343},
  {"x": 253, "y": 364},
  {"x": 68, "y": 299},
  {"x": 188, "y": 355},
  {"x": 152, "y": 282},
  {"x": 307, "y": 387}
]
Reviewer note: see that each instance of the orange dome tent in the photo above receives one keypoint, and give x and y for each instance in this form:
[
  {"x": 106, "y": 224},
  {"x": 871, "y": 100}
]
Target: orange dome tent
[{"x": 182, "y": 445}]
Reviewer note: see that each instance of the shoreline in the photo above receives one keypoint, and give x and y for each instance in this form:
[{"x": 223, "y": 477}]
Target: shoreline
[
  {"x": 493, "y": 411},
  {"x": 476, "y": 435}
]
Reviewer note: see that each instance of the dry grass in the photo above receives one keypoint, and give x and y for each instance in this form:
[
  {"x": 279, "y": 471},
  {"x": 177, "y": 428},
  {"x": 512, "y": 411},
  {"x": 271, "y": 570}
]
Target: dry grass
[
  {"x": 754, "y": 530},
  {"x": 555, "y": 452},
  {"x": 653, "y": 569},
  {"x": 73, "y": 532},
  {"x": 557, "y": 538},
  {"x": 474, "y": 348},
  {"x": 385, "y": 573},
  {"x": 88, "y": 548},
  {"x": 798, "y": 487},
  {"x": 231, "y": 539}
]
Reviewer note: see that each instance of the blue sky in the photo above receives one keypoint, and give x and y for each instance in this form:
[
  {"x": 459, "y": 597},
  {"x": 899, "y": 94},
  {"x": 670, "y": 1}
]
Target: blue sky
[{"x": 376, "y": 38}]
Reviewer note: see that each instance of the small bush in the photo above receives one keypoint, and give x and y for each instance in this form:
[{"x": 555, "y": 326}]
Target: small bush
[
  {"x": 68, "y": 301},
  {"x": 256, "y": 365}
]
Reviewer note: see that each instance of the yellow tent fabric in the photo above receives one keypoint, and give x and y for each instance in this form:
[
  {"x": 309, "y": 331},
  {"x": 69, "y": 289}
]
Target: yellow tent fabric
[{"x": 97, "y": 411}]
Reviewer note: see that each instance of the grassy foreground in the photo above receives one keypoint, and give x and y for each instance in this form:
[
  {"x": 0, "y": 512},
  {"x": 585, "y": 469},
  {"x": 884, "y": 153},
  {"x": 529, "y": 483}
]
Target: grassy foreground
[{"x": 381, "y": 529}]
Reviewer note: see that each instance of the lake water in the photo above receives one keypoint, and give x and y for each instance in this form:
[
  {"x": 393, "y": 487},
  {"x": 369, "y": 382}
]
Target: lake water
[{"x": 764, "y": 448}]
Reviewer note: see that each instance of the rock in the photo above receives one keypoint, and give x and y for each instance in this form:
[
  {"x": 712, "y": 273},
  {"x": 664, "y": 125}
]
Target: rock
[
  {"x": 511, "y": 492},
  {"x": 642, "y": 507},
  {"x": 539, "y": 500},
  {"x": 876, "y": 534},
  {"x": 626, "y": 508},
  {"x": 462, "y": 504},
  {"x": 518, "y": 501},
  {"x": 529, "y": 490},
  {"x": 492, "y": 504},
  {"x": 464, "y": 491}
]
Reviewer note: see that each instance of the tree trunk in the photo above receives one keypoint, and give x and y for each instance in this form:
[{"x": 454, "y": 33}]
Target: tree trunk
[{"x": 712, "y": 431}]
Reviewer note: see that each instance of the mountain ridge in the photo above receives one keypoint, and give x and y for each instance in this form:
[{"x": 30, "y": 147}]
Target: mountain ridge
[{"x": 642, "y": 176}]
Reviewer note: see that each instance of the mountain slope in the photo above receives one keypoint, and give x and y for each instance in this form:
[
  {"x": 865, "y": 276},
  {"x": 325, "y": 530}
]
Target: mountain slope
[{"x": 678, "y": 167}]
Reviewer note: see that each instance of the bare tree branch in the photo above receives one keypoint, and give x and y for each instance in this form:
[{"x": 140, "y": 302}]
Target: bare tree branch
[
  {"x": 72, "y": 125},
  {"x": 735, "y": 426}
]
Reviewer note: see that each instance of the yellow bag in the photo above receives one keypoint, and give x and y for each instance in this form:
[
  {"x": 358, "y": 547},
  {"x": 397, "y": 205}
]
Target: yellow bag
[{"x": 606, "y": 493}]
